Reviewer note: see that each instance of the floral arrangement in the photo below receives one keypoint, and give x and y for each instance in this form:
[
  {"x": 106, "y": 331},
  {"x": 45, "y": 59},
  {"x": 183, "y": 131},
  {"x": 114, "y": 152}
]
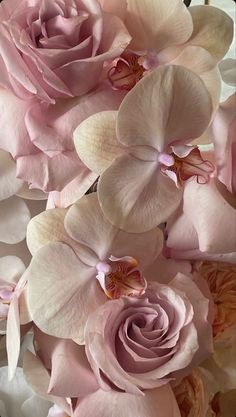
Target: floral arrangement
[{"x": 117, "y": 209}]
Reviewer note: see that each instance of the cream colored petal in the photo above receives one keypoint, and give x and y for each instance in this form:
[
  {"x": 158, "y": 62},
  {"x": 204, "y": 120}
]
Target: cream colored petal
[
  {"x": 212, "y": 30},
  {"x": 96, "y": 142},
  {"x": 155, "y": 25}
]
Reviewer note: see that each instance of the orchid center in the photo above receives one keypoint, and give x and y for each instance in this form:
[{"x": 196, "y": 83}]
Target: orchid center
[
  {"x": 127, "y": 70},
  {"x": 121, "y": 276},
  {"x": 6, "y": 294},
  {"x": 186, "y": 162}
]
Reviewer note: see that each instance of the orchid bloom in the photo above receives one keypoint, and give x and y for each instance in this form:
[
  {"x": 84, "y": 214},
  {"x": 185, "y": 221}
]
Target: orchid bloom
[
  {"x": 142, "y": 148},
  {"x": 169, "y": 33},
  {"x": 79, "y": 259}
]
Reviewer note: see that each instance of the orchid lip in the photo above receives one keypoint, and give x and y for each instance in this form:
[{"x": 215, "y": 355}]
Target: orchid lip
[{"x": 120, "y": 276}]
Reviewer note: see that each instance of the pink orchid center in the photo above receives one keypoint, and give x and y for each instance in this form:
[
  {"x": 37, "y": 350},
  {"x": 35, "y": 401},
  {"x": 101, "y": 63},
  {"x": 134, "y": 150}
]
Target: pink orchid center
[
  {"x": 125, "y": 72},
  {"x": 6, "y": 294},
  {"x": 120, "y": 276},
  {"x": 190, "y": 164}
]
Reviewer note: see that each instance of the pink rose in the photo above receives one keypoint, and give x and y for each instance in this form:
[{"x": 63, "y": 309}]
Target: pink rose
[
  {"x": 146, "y": 342},
  {"x": 56, "y": 48}
]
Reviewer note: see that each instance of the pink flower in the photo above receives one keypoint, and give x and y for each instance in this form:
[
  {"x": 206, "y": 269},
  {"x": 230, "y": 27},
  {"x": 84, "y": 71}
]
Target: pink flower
[
  {"x": 140, "y": 158},
  {"x": 79, "y": 259},
  {"x": 146, "y": 342},
  {"x": 52, "y": 49}
]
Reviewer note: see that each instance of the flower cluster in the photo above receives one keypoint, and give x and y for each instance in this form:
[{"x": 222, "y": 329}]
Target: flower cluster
[{"x": 117, "y": 210}]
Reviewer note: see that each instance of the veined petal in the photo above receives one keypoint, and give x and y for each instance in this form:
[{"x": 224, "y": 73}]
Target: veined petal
[
  {"x": 184, "y": 113},
  {"x": 157, "y": 25},
  {"x": 47, "y": 227},
  {"x": 200, "y": 61},
  {"x": 125, "y": 188},
  {"x": 99, "y": 235},
  {"x": 228, "y": 71},
  {"x": 158, "y": 402},
  {"x": 62, "y": 290},
  {"x": 96, "y": 141},
  {"x": 212, "y": 30}
]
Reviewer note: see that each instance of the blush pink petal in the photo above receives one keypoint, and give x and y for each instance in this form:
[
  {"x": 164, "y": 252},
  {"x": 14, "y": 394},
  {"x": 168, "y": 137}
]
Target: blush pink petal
[
  {"x": 191, "y": 232},
  {"x": 14, "y": 217},
  {"x": 157, "y": 25},
  {"x": 62, "y": 290},
  {"x": 13, "y": 111},
  {"x": 38, "y": 378},
  {"x": 212, "y": 217},
  {"x": 96, "y": 233},
  {"x": 126, "y": 186},
  {"x": 184, "y": 114},
  {"x": 164, "y": 270},
  {"x": 71, "y": 375},
  {"x": 212, "y": 30},
  {"x": 158, "y": 402},
  {"x": 224, "y": 137},
  {"x": 116, "y": 7}
]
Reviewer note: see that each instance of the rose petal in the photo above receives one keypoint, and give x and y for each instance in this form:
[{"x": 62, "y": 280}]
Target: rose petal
[
  {"x": 38, "y": 378},
  {"x": 159, "y": 402}
]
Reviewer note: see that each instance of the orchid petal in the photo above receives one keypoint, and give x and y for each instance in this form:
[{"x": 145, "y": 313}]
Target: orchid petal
[
  {"x": 62, "y": 290},
  {"x": 96, "y": 141},
  {"x": 14, "y": 217},
  {"x": 95, "y": 232},
  {"x": 158, "y": 402},
  {"x": 47, "y": 227},
  {"x": 212, "y": 30},
  {"x": 125, "y": 188},
  {"x": 184, "y": 113},
  {"x": 200, "y": 61},
  {"x": 157, "y": 25},
  {"x": 228, "y": 71},
  {"x": 11, "y": 268}
]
